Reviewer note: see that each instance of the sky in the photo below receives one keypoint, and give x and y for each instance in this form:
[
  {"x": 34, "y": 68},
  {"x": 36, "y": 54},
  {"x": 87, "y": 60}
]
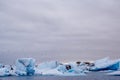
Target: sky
[{"x": 62, "y": 30}]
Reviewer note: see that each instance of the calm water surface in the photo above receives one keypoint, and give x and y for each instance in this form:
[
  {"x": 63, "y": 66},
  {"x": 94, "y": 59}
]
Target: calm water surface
[{"x": 90, "y": 76}]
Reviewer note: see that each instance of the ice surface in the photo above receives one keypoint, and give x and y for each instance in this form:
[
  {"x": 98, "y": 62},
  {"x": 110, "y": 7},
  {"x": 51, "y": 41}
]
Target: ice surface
[
  {"x": 50, "y": 65},
  {"x": 45, "y": 67},
  {"x": 25, "y": 66},
  {"x": 106, "y": 64},
  {"x": 56, "y": 68},
  {"x": 1, "y": 65},
  {"x": 4, "y": 72}
]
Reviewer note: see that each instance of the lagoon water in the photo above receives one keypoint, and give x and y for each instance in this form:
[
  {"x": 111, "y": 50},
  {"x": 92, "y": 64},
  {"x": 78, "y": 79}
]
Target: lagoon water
[{"x": 90, "y": 76}]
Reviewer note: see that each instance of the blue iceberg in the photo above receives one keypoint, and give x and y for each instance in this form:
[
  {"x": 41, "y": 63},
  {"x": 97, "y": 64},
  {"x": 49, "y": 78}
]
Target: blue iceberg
[
  {"x": 106, "y": 64},
  {"x": 25, "y": 66}
]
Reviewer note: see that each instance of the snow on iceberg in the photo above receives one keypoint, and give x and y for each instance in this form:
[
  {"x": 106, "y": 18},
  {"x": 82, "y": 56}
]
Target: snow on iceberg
[
  {"x": 106, "y": 64},
  {"x": 25, "y": 66}
]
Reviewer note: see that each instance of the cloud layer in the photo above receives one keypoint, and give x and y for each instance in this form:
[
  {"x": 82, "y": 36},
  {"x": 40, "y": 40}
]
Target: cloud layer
[{"x": 59, "y": 29}]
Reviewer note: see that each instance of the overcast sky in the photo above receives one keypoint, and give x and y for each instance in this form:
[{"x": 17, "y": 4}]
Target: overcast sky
[{"x": 63, "y": 30}]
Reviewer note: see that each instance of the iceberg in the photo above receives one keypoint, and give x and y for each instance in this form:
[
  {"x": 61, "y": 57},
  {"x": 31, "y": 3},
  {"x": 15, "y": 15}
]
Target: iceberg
[
  {"x": 25, "y": 66},
  {"x": 46, "y": 66},
  {"x": 60, "y": 71},
  {"x": 106, "y": 64},
  {"x": 7, "y": 70},
  {"x": 56, "y": 68},
  {"x": 4, "y": 72},
  {"x": 71, "y": 69}
]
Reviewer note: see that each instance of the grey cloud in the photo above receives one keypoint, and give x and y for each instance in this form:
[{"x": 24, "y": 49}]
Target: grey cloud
[{"x": 65, "y": 29}]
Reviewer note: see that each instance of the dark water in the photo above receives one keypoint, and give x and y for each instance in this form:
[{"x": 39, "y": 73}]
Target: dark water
[{"x": 90, "y": 76}]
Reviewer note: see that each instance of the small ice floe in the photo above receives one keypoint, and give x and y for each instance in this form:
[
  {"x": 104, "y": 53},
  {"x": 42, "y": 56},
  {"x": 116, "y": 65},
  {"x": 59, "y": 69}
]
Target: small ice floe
[{"x": 25, "y": 66}]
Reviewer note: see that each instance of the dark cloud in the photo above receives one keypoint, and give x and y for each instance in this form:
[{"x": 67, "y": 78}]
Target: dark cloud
[{"x": 64, "y": 30}]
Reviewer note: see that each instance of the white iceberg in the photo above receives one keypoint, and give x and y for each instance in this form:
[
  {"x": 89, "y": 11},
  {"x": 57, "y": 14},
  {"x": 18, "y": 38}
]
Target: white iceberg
[{"x": 25, "y": 66}]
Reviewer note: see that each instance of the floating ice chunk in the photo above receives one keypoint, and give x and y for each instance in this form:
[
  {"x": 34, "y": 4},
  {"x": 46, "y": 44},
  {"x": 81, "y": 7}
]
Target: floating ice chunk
[
  {"x": 4, "y": 72},
  {"x": 71, "y": 69},
  {"x": 56, "y": 68},
  {"x": 55, "y": 71},
  {"x": 106, "y": 64},
  {"x": 25, "y": 66},
  {"x": 46, "y": 66}
]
